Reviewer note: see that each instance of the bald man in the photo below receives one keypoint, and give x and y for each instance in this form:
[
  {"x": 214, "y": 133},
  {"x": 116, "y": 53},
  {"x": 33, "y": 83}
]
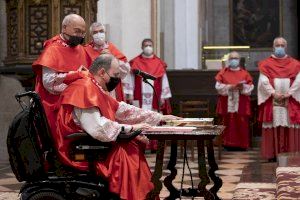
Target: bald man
[
  {"x": 62, "y": 61},
  {"x": 279, "y": 102},
  {"x": 234, "y": 86}
]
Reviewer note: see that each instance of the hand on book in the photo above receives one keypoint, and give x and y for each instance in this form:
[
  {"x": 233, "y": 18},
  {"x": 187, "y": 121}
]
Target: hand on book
[
  {"x": 142, "y": 126},
  {"x": 170, "y": 117}
]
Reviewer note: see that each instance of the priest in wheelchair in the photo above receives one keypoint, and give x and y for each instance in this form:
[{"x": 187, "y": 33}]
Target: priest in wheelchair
[{"x": 98, "y": 145}]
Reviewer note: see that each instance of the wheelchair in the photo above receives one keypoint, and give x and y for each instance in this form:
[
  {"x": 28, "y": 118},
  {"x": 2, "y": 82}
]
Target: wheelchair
[{"x": 34, "y": 160}]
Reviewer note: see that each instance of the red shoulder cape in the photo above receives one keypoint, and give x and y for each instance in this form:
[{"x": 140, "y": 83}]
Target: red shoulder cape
[
  {"x": 228, "y": 76},
  {"x": 154, "y": 66},
  {"x": 157, "y": 68},
  {"x": 58, "y": 56},
  {"x": 279, "y": 68},
  {"x": 82, "y": 93}
]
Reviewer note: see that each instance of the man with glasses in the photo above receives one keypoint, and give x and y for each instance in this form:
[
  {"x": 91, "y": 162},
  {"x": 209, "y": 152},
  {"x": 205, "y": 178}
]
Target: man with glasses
[
  {"x": 99, "y": 45},
  {"x": 62, "y": 61},
  {"x": 234, "y": 85},
  {"x": 85, "y": 105}
]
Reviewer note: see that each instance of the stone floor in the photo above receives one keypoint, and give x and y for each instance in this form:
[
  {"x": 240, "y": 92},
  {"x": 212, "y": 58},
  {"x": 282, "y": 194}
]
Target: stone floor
[{"x": 230, "y": 170}]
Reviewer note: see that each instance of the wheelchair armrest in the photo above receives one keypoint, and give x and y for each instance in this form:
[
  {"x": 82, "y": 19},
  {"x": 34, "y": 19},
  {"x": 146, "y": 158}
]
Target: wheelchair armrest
[
  {"x": 78, "y": 136},
  {"x": 130, "y": 136},
  {"x": 122, "y": 135}
]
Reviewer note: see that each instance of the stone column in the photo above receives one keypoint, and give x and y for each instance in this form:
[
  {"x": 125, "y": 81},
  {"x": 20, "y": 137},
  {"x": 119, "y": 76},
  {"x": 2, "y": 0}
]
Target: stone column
[
  {"x": 186, "y": 34},
  {"x": 128, "y": 23},
  {"x": 3, "y": 32},
  {"x": 167, "y": 32}
]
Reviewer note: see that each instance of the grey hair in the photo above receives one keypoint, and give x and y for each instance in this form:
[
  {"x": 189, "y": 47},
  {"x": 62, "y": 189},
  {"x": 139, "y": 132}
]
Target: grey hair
[
  {"x": 280, "y": 38},
  {"x": 94, "y": 25},
  {"x": 69, "y": 18},
  {"x": 103, "y": 61}
]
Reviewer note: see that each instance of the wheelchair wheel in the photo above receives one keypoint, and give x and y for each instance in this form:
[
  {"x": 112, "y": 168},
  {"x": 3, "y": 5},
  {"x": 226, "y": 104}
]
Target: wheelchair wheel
[{"x": 45, "y": 195}]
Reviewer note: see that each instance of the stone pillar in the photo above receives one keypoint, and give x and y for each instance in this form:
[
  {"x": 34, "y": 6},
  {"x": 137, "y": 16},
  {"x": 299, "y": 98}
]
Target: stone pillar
[
  {"x": 167, "y": 32},
  {"x": 8, "y": 109},
  {"x": 3, "y": 32},
  {"x": 186, "y": 34},
  {"x": 128, "y": 22}
]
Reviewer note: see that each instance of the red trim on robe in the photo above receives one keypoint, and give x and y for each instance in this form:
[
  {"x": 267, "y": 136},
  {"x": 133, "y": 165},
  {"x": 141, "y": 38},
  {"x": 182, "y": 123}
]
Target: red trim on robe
[
  {"x": 93, "y": 54},
  {"x": 279, "y": 68}
]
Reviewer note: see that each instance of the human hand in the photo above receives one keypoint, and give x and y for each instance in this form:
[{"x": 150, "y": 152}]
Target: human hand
[
  {"x": 143, "y": 139},
  {"x": 286, "y": 95},
  {"x": 233, "y": 87},
  {"x": 239, "y": 86},
  {"x": 105, "y": 51},
  {"x": 83, "y": 70},
  {"x": 170, "y": 117},
  {"x": 278, "y": 96},
  {"x": 142, "y": 126}
]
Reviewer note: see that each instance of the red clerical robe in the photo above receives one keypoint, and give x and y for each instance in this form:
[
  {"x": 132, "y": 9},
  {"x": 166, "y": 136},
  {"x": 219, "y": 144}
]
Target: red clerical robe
[
  {"x": 126, "y": 168},
  {"x": 279, "y": 139},
  {"x": 157, "y": 68},
  {"x": 279, "y": 68},
  {"x": 236, "y": 133},
  {"x": 58, "y": 56},
  {"x": 94, "y": 53}
]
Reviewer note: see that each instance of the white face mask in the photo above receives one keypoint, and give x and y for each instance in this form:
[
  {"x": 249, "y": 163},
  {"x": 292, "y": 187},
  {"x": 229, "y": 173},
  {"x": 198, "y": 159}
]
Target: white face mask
[
  {"x": 148, "y": 50},
  {"x": 99, "y": 38}
]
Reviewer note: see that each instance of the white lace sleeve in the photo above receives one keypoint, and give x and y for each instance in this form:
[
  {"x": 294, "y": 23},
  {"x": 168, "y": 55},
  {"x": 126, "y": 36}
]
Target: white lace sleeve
[
  {"x": 222, "y": 89},
  {"x": 166, "y": 92},
  {"x": 53, "y": 81},
  {"x": 99, "y": 127},
  {"x": 128, "y": 114},
  {"x": 128, "y": 84},
  {"x": 264, "y": 89},
  {"x": 247, "y": 89},
  {"x": 294, "y": 90}
]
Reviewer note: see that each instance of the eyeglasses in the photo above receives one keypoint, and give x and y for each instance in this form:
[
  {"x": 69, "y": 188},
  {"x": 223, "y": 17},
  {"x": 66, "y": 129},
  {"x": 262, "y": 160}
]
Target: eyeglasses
[{"x": 115, "y": 75}]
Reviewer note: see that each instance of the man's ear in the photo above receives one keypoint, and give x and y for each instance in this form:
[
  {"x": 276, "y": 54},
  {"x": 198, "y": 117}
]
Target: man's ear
[
  {"x": 101, "y": 72},
  {"x": 64, "y": 28}
]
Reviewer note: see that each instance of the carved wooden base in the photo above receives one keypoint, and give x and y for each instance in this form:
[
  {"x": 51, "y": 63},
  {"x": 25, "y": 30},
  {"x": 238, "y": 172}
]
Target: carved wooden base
[{"x": 203, "y": 174}]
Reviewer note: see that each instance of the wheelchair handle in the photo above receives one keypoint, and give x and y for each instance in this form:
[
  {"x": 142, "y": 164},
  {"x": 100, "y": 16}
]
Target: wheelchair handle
[{"x": 29, "y": 93}]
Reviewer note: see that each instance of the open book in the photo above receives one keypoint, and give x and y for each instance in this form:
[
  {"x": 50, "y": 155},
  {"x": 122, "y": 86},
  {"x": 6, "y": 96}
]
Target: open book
[
  {"x": 170, "y": 129},
  {"x": 197, "y": 122}
]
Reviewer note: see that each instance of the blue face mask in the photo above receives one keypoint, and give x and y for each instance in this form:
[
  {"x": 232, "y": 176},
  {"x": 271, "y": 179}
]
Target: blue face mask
[
  {"x": 234, "y": 63},
  {"x": 279, "y": 52}
]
